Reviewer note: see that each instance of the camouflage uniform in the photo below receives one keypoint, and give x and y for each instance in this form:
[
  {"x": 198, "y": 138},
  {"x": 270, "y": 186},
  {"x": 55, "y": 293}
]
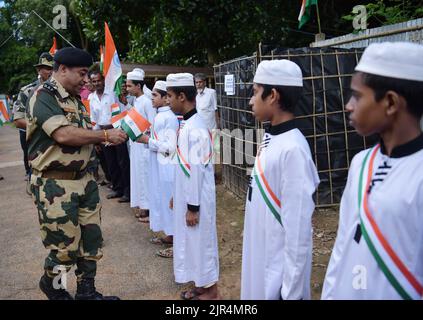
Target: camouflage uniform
[
  {"x": 19, "y": 110},
  {"x": 19, "y": 107},
  {"x": 63, "y": 188}
]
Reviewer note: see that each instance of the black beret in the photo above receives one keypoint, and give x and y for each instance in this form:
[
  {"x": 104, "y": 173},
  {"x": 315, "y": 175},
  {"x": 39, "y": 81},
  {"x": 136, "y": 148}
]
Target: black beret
[{"x": 73, "y": 57}]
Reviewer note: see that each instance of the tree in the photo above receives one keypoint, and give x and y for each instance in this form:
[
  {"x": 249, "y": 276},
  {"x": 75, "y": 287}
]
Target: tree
[
  {"x": 31, "y": 37},
  {"x": 385, "y": 12}
]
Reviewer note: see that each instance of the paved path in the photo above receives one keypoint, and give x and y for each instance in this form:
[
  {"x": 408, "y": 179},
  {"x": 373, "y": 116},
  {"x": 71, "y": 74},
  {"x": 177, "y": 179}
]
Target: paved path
[{"x": 128, "y": 269}]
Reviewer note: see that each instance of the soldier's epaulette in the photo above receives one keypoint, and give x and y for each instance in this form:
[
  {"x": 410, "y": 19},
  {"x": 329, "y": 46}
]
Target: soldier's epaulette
[{"x": 49, "y": 87}]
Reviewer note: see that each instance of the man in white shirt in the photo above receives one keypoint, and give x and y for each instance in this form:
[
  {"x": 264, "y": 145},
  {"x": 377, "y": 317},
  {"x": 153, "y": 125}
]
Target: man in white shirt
[
  {"x": 206, "y": 102},
  {"x": 117, "y": 157}
]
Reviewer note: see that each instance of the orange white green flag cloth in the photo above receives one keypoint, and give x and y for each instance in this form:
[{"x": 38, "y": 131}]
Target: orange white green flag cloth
[
  {"x": 4, "y": 114},
  {"x": 305, "y": 12},
  {"x": 134, "y": 124},
  {"x": 115, "y": 109},
  {"x": 53, "y": 48},
  {"x": 117, "y": 120},
  {"x": 112, "y": 68}
]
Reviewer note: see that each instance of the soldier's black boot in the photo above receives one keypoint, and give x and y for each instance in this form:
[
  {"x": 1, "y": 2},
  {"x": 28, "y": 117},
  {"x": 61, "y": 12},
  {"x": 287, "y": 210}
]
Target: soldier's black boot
[
  {"x": 46, "y": 286},
  {"x": 85, "y": 290}
]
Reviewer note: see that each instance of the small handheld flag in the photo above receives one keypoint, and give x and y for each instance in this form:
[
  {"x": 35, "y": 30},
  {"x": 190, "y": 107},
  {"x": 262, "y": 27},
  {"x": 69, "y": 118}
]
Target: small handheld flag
[
  {"x": 115, "y": 109},
  {"x": 117, "y": 120},
  {"x": 4, "y": 114},
  {"x": 134, "y": 124}
]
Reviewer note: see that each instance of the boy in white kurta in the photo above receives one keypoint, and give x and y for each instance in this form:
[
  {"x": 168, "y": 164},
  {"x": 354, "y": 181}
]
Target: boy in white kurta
[
  {"x": 162, "y": 146},
  {"x": 277, "y": 247},
  {"x": 378, "y": 253},
  {"x": 195, "y": 255},
  {"x": 139, "y": 153}
]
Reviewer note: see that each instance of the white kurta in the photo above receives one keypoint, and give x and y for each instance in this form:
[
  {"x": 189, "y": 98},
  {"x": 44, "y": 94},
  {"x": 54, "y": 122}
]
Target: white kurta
[
  {"x": 195, "y": 256},
  {"x": 395, "y": 202},
  {"x": 206, "y": 105},
  {"x": 277, "y": 247},
  {"x": 162, "y": 145},
  {"x": 140, "y": 157}
]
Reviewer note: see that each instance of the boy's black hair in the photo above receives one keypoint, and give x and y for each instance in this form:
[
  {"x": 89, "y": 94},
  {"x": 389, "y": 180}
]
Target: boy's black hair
[
  {"x": 411, "y": 91},
  {"x": 161, "y": 92},
  {"x": 190, "y": 92},
  {"x": 288, "y": 95},
  {"x": 137, "y": 82}
]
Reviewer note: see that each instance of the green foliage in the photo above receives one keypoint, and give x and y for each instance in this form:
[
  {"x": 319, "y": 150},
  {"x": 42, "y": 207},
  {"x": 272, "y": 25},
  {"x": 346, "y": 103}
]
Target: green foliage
[
  {"x": 384, "y": 12},
  {"x": 181, "y": 32}
]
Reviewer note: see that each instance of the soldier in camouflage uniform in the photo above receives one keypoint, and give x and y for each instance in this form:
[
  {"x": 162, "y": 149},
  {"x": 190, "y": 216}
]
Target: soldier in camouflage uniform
[
  {"x": 44, "y": 69},
  {"x": 61, "y": 153}
]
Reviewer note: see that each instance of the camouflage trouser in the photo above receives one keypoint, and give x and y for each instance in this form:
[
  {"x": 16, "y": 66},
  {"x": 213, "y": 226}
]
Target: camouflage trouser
[{"x": 69, "y": 215}]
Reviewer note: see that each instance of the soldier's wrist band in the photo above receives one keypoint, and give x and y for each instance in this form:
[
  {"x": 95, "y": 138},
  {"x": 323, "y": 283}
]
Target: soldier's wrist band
[{"x": 106, "y": 137}]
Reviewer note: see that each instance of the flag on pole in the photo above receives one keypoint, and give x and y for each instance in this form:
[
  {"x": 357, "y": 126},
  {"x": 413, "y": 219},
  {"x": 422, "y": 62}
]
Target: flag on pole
[
  {"x": 305, "y": 12},
  {"x": 112, "y": 68},
  {"x": 117, "y": 120},
  {"x": 53, "y": 48},
  {"x": 115, "y": 109},
  {"x": 4, "y": 114},
  {"x": 101, "y": 59},
  {"x": 134, "y": 124}
]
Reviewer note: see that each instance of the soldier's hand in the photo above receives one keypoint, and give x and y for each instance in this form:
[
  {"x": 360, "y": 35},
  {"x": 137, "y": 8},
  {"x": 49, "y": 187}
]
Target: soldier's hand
[{"x": 116, "y": 136}]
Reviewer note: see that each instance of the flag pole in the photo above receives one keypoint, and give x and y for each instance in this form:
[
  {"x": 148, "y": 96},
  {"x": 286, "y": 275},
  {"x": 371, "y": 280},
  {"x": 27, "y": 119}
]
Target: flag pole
[{"x": 318, "y": 16}]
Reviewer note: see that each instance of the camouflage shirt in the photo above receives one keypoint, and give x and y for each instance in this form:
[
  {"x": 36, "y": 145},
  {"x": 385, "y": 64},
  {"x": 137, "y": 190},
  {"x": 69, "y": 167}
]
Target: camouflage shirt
[
  {"x": 19, "y": 107},
  {"x": 50, "y": 108}
]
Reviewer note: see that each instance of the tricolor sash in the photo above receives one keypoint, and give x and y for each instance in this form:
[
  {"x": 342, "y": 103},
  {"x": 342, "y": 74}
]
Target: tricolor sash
[
  {"x": 397, "y": 273},
  {"x": 185, "y": 166},
  {"x": 269, "y": 197}
]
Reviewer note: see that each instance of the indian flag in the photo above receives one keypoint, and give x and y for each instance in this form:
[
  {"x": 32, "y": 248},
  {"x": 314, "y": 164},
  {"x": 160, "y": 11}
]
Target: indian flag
[
  {"x": 112, "y": 68},
  {"x": 101, "y": 59},
  {"x": 4, "y": 114},
  {"x": 115, "y": 109},
  {"x": 53, "y": 48},
  {"x": 117, "y": 120},
  {"x": 305, "y": 12},
  {"x": 134, "y": 124},
  {"x": 86, "y": 103}
]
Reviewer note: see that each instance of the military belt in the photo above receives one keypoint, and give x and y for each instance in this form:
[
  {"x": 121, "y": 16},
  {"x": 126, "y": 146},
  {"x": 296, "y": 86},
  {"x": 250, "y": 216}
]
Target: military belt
[{"x": 60, "y": 175}]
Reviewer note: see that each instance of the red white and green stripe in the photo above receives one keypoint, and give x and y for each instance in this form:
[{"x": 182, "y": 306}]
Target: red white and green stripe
[
  {"x": 4, "y": 114},
  {"x": 117, "y": 120},
  {"x": 134, "y": 124},
  {"x": 208, "y": 158},
  {"x": 269, "y": 197},
  {"x": 112, "y": 68},
  {"x": 397, "y": 273},
  {"x": 186, "y": 168},
  {"x": 305, "y": 12},
  {"x": 115, "y": 109}
]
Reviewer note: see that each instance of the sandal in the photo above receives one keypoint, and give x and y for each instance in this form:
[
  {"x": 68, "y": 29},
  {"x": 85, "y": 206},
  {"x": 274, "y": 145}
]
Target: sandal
[
  {"x": 137, "y": 213},
  {"x": 191, "y": 294},
  {"x": 160, "y": 241},
  {"x": 165, "y": 253},
  {"x": 144, "y": 219}
]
